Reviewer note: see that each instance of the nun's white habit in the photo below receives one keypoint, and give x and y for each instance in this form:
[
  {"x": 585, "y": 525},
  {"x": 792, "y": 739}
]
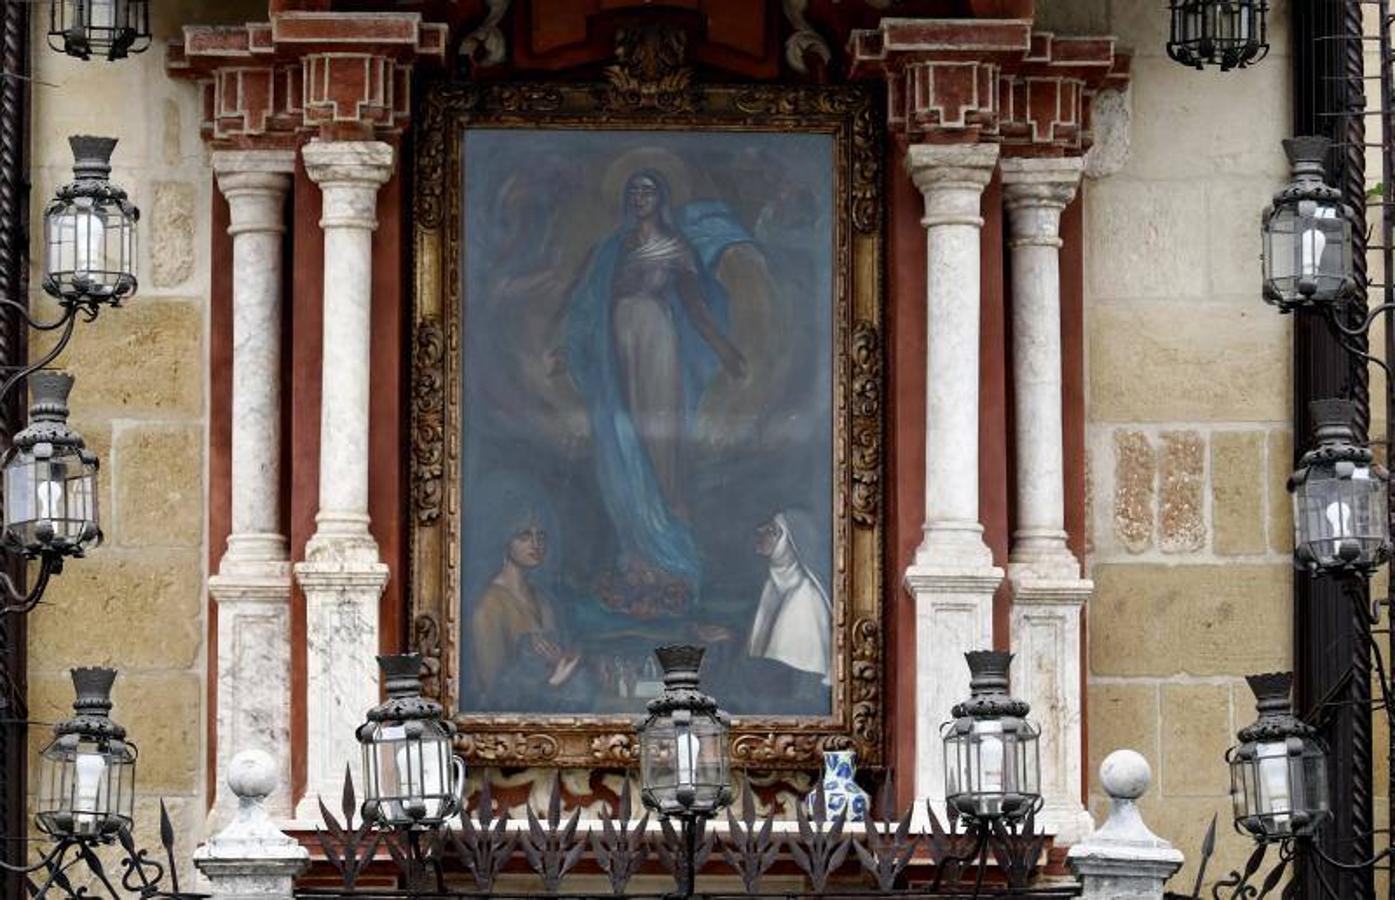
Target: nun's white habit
[{"x": 794, "y": 622}]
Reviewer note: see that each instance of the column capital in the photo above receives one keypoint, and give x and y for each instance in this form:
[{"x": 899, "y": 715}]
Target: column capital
[
  {"x": 952, "y": 178},
  {"x": 256, "y": 183},
  {"x": 368, "y": 163},
  {"x": 1035, "y": 191},
  {"x": 951, "y": 165},
  {"x": 253, "y": 162},
  {"x": 1052, "y": 179}
]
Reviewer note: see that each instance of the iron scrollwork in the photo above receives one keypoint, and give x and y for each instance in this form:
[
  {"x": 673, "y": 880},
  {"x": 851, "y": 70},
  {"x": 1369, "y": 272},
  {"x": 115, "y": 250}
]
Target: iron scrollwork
[{"x": 73, "y": 867}]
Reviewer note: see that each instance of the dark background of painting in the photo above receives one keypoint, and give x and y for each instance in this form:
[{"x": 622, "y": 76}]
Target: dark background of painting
[{"x": 537, "y": 203}]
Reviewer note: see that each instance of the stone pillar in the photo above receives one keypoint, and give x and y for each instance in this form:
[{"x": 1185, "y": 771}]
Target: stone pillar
[
  {"x": 251, "y": 858},
  {"x": 953, "y": 577},
  {"x": 1123, "y": 860},
  {"x": 342, "y": 576},
  {"x": 253, "y": 584},
  {"x": 1048, "y": 591}
]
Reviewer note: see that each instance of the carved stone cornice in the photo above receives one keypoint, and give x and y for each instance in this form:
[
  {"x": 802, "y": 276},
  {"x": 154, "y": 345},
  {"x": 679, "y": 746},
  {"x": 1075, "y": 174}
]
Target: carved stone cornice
[
  {"x": 343, "y": 75},
  {"x": 988, "y": 80}
]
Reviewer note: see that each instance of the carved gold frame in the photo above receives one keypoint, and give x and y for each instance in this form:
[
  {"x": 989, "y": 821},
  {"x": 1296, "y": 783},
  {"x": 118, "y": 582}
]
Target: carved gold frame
[{"x": 636, "y": 97}]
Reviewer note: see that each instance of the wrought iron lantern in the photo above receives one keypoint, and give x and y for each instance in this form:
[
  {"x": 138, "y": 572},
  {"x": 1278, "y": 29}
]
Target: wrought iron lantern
[
  {"x": 412, "y": 777},
  {"x": 1307, "y": 234},
  {"x": 113, "y": 29},
  {"x": 1340, "y": 516},
  {"x": 50, "y": 503},
  {"x": 683, "y": 748},
  {"x": 90, "y": 232},
  {"x": 87, "y": 773},
  {"x": 1278, "y": 771},
  {"x": 992, "y": 762},
  {"x": 1228, "y": 34}
]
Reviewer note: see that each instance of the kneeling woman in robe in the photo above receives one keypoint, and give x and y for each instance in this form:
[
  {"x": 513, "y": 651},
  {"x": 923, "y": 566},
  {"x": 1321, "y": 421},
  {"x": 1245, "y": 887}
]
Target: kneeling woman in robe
[
  {"x": 520, "y": 658},
  {"x": 792, "y": 635}
]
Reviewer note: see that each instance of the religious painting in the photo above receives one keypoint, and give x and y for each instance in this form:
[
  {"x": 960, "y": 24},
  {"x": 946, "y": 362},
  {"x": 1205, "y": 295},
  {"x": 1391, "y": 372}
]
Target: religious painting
[{"x": 646, "y": 397}]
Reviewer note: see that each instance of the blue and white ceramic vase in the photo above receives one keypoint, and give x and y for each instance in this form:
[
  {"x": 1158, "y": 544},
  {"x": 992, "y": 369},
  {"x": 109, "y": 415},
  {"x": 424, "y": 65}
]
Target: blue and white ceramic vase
[{"x": 840, "y": 792}]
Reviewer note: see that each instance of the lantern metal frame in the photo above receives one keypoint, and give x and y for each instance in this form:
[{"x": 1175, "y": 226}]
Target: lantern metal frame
[
  {"x": 78, "y": 298},
  {"x": 405, "y": 723},
  {"x": 1307, "y": 199},
  {"x": 991, "y": 716},
  {"x": 1347, "y": 476},
  {"x": 71, "y": 28},
  {"x": 679, "y": 714},
  {"x": 1196, "y": 38},
  {"x": 1278, "y": 743},
  {"x": 92, "y": 732}
]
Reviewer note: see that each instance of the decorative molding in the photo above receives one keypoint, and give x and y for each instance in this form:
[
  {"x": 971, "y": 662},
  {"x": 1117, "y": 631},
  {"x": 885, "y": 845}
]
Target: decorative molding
[
  {"x": 656, "y": 97},
  {"x": 805, "y": 41},
  {"x": 428, "y": 418},
  {"x": 267, "y": 82},
  {"x": 865, "y": 496},
  {"x": 649, "y": 72},
  {"x": 988, "y": 79},
  {"x": 486, "y": 46}
]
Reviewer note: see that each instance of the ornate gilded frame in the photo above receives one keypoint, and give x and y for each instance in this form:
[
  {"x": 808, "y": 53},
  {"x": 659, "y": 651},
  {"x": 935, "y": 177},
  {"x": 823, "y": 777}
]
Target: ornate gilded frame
[{"x": 647, "y": 90}]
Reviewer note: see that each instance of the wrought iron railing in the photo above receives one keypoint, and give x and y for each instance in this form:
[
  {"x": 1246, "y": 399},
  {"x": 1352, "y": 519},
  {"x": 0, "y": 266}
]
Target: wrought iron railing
[{"x": 478, "y": 854}]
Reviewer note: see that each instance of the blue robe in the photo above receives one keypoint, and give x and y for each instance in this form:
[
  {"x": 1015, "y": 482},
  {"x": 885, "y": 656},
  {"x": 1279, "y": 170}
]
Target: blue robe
[{"x": 645, "y": 526}]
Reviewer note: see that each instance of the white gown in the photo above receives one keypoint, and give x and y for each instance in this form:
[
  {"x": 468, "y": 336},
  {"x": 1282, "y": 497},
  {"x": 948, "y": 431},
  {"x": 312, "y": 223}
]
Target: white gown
[{"x": 794, "y": 622}]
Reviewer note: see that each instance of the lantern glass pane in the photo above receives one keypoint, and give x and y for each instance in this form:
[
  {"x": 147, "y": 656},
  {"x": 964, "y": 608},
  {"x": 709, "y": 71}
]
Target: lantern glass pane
[
  {"x": 1307, "y": 253},
  {"x": 86, "y": 787},
  {"x": 684, "y": 765},
  {"x": 1279, "y": 788},
  {"x": 1224, "y": 33},
  {"x": 408, "y": 773},
  {"x": 108, "y": 28},
  {"x": 51, "y": 501},
  {"x": 992, "y": 767},
  {"x": 90, "y": 249},
  {"x": 1340, "y": 516}
]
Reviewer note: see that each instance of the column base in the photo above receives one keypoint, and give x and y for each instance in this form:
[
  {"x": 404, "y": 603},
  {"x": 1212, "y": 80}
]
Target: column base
[
  {"x": 954, "y": 614},
  {"x": 342, "y": 538},
  {"x": 255, "y": 553},
  {"x": 254, "y": 674},
  {"x": 1042, "y": 555},
  {"x": 341, "y": 610},
  {"x": 954, "y": 546},
  {"x": 1047, "y": 671}
]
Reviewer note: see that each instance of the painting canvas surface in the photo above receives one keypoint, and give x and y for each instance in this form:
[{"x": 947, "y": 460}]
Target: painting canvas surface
[{"x": 647, "y": 419}]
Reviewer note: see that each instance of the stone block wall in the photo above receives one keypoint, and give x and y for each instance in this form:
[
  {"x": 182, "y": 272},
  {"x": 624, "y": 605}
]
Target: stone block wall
[
  {"x": 1188, "y": 405},
  {"x": 137, "y": 602}
]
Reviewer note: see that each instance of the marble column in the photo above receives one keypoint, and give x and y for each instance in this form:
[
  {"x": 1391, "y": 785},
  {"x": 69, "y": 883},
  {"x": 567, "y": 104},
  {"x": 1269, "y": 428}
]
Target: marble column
[
  {"x": 953, "y": 577},
  {"x": 253, "y": 584},
  {"x": 342, "y": 576},
  {"x": 1048, "y": 590}
]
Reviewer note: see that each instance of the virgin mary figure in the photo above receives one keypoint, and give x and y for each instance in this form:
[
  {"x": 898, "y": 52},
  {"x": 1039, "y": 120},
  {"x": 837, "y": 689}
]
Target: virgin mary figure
[{"x": 646, "y": 331}]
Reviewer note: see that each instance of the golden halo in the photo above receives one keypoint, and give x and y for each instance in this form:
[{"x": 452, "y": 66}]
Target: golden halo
[{"x": 665, "y": 162}]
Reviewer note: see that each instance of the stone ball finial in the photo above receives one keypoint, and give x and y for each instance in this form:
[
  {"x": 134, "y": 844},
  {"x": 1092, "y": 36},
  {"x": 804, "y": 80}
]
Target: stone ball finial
[
  {"x": 252, "y": 775},
  {"x": 1125, "y": 774}
]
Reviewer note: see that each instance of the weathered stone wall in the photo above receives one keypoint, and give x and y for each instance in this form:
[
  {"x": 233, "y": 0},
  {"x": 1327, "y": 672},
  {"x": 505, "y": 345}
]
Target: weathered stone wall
[
  {"x": 1188, "y": 408},
  {"x": 137, "y": 603}
]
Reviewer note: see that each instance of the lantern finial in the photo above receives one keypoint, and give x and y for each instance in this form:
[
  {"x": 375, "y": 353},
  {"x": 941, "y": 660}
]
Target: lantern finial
[
  {"x": 1307, "y": 154},
  {"x": 681, "y": 664},
  {"x": 91, "y": 156}
]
